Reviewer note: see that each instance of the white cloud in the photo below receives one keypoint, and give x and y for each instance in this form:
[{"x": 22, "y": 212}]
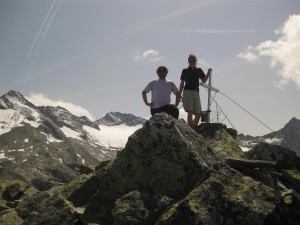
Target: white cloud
[
  {"x": 148, "y": 55},
  {"x": 248, "y": 55},
  {"x": 285, "y": 52},
  {"x": 40, "y": 99}
]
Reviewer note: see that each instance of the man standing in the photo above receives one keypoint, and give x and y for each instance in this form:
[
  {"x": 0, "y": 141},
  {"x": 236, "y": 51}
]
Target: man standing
[
  {"x": 190, "y": 84},
  {"x": 161, "y": 94}
]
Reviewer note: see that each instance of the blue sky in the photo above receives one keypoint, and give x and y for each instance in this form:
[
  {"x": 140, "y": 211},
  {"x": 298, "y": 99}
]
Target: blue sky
[{"x": 96, "y": 56}]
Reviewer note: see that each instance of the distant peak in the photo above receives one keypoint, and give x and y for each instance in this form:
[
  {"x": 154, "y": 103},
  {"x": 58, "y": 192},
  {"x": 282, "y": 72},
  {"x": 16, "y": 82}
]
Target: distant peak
[
  {"x": 294, "y": 119},
  {"x": 10, "y": 98},
  {"x": 117, "y": 118},
  {"x": 292, "y": 123},
  {"x": 13, "y": 93}
]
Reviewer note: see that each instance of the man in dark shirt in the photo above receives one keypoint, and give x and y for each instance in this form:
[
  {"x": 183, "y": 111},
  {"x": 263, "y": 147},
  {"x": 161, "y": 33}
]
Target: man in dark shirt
[{"x": 190, "y": 86}]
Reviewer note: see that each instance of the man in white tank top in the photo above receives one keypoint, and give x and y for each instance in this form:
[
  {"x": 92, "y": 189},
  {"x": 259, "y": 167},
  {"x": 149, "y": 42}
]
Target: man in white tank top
[{"x": 161, "y": 90}]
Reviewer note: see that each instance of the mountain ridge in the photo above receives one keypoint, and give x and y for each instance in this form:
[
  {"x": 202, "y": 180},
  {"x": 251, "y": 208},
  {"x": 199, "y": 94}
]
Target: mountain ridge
[
  {"x": 52, "y": 139},
  {"x": 117, "y": 118},
  {"x": 288, "y": 136}
]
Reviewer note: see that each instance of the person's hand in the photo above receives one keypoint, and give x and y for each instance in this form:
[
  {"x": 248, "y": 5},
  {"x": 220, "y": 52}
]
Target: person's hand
[{"x": 150, "y": 104}]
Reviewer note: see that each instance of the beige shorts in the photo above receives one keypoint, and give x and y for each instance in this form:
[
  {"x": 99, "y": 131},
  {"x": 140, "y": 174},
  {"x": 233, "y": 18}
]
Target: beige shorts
[{"x": 191, "y": 101}]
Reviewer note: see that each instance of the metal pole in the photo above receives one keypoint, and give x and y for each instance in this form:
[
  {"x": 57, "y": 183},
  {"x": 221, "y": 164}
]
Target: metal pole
[{"x": 209, "y": 97}]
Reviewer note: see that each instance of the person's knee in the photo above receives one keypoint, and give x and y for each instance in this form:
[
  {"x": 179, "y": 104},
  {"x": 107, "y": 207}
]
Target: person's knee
[{"x": 176, "y": 113}]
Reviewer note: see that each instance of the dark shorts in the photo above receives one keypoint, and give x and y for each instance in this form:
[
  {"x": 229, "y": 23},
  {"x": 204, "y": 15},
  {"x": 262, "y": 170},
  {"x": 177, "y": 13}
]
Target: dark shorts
[{"x": 170, "y": 109}]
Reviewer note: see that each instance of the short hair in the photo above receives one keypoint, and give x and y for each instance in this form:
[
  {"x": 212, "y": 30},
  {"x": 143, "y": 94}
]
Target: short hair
[
  {"x": 162, "y": 67},
  {"x": 192, "y": 56}
]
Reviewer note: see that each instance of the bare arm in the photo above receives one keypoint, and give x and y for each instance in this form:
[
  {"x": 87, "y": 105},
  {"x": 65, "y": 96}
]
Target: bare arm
[
  {"x": 181, "y": 87},
  {"x": 207, "y": 76},
  {"x": 178, "y": 96},
  {"x": 144, "y": 94}
]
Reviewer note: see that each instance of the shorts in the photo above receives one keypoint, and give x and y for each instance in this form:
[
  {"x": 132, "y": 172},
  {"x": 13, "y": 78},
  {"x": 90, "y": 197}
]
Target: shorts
[
  {"x": 191, "y": 101},
  {"x": 172, "y": 110}
]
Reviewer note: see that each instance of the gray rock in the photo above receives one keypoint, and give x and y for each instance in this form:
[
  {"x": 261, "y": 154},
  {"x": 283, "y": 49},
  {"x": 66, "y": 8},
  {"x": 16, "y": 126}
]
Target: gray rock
[
  {"x": 43, "y": 184},
  {"x": 164, "y": 158},
  {"x": 293, "y": 177},
  {"x": 86, "y": 169},
  {"x": 10, "y": 217},
  {"x": 3, "y": 208},
  {"x": 14, "y": 191},
  {"x": 225, "y": 197},
  {"x": 102, "y": 165},
  {"x": 284, "y": 157},
  {"x": 130, "y": 210},
  {"x": 44, "y": 208}
]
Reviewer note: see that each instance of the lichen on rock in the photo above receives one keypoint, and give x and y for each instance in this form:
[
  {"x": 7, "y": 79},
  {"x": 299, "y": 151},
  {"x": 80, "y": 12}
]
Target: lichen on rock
[{"x": 171, "y": 174}]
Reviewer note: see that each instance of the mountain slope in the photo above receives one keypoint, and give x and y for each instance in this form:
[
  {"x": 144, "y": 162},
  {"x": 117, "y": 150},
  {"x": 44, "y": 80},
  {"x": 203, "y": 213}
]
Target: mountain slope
[
  {"x": 288, "y": 136},
  {"x": 50, "y": 143}
]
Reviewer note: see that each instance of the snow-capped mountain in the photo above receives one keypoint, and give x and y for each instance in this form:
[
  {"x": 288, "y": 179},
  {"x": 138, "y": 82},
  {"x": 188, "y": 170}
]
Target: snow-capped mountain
[
  {"x": 288, "y": 136},
  {"x": 116, "y": 118},
  {"x": 42, "y": 143}
]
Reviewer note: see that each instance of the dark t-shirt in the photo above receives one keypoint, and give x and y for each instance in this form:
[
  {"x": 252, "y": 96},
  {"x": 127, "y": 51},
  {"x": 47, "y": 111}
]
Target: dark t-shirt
[{"x": 191, "y": 78}]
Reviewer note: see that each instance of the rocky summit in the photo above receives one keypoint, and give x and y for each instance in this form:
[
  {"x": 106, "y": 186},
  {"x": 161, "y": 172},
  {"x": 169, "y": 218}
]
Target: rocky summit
[{"x": 171, "y": 174}]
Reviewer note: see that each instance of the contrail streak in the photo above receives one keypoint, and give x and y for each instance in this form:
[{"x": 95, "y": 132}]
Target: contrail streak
[
  {"x": 39, "y": 39},
  {"x": 41, "y": 28}
]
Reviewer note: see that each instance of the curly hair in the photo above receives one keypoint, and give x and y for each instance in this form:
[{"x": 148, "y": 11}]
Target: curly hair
[{"x": 162, "y": 67}]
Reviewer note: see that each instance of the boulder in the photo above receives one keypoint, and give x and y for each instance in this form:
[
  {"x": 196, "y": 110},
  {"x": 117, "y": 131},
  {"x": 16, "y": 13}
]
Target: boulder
[
  {"x": 130, "y": 210},
  {"x": 102, "y": 165},
  {"x": 292, "y": 177},
  {"x": 69, "y": 189},
  {"x": 43, "y": 184},
  {"x": 284, "y": 157},
  {"x": 44, "y": 208},
  {"x": 164, "y": 158},
  {"x": 168, "y": 158},
  {"x": 3, "y": 208},
  {"x": 14, "y": 191},
  {"x": 137, "y": 208},
  {"x": 86, "y": 169},
  {"x": 10, "y": 217},
  {"x": 224, "y": 197},
  {"x": 287, "y": 211}
]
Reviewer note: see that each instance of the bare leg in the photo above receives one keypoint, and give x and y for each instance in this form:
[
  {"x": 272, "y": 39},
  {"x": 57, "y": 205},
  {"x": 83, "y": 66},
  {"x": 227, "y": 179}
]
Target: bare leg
[
  {"x": 190, "y": 118},
  {"x": 197, "y": 118}
]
